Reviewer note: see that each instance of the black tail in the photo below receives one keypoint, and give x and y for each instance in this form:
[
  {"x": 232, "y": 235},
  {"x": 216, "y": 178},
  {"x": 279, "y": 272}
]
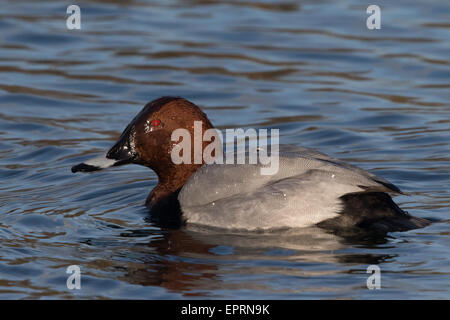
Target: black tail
[{"x": 373, "y": 211}]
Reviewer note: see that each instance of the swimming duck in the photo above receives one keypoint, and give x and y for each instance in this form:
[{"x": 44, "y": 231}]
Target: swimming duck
[{"x": 309, "y": 189}]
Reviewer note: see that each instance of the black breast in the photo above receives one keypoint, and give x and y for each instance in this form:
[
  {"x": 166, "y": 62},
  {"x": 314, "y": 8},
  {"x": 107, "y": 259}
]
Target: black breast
[{"x": 166, "y": 212}]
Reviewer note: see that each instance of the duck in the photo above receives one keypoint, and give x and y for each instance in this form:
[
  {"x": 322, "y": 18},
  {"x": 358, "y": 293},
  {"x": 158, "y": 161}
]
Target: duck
[{"x": 309, "y": 189}]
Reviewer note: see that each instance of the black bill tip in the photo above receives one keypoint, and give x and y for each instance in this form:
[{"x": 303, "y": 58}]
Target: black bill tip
[{"x": 83, "y": 167}]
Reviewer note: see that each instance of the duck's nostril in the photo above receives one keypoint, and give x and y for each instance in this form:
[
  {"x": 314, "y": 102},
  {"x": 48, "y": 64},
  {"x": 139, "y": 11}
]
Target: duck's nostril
[
  {"x": 121, "y": 151},
  {"x": 118, "y": 153}
]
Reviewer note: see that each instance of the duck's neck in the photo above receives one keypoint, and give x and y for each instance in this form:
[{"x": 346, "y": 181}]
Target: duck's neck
[
  {"x": 169, "y": 184},
  {"x": 163, "y": 202}
]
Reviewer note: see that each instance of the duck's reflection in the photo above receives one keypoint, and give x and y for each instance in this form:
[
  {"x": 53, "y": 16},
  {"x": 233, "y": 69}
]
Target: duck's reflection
[{"x": 196, "y": 260}]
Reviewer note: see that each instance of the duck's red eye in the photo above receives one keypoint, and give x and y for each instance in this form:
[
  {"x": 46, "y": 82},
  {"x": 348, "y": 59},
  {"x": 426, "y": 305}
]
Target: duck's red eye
[{"x": 156, "y": 123}]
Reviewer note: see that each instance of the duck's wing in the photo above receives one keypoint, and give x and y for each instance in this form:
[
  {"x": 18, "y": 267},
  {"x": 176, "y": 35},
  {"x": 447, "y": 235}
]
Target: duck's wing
[
  {"x": 298, "y": 201},
  {"x": 296, "y": 151},
  {"x": 213, "y": 182}
]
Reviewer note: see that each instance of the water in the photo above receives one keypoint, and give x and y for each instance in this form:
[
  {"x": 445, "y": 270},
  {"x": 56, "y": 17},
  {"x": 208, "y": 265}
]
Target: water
[{"x": 378, "y": 99}]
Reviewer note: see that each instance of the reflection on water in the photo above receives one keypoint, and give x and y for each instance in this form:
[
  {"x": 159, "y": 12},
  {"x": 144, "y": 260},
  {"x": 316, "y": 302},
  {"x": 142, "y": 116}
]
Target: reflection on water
[
  {"x": 197, "y": 261},
  {"x": 379, "y": 99}
]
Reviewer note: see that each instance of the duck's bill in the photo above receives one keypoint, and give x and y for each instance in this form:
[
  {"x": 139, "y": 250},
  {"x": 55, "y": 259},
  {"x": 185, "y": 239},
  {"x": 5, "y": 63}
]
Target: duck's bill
[
  {"x": 122, "y": 152},
  {"x": 97, "y": 163}
]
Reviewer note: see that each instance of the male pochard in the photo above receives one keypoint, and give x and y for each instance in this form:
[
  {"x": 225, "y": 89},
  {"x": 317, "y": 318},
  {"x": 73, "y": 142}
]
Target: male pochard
[{"x": 310, "y": 188}]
